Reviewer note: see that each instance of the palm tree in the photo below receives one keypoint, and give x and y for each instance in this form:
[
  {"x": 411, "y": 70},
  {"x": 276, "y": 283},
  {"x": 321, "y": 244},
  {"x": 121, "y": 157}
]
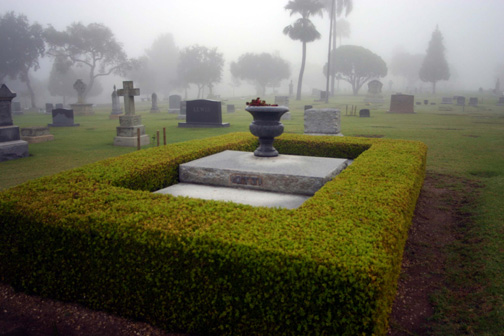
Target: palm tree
[
  {"x": 339, "y": 5},
  {"x": 303, "y": 29}
]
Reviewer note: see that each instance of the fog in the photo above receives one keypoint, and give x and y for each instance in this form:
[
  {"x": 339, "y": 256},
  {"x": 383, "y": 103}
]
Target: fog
[{"x": 472, "y": 32}]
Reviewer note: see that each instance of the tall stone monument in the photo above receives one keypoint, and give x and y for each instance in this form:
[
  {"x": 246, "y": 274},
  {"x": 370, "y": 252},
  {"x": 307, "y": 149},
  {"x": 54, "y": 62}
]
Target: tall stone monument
[
  {"x": 130, "y": 124},
  {"x": 81, "y": 108},
  {"x": 116, "y": 105},
  {"x": 11, "y": 145},
  {"x": 154, "y": 107}
]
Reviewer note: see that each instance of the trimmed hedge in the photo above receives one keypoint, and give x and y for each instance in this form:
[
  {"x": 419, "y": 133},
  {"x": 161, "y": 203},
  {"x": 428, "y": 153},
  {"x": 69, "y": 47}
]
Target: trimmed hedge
[{"x": 96, "y": 235}]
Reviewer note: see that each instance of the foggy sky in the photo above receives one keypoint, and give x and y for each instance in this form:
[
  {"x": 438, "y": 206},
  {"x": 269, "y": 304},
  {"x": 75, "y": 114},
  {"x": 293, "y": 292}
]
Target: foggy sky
[{"x": 472, "y": 29}]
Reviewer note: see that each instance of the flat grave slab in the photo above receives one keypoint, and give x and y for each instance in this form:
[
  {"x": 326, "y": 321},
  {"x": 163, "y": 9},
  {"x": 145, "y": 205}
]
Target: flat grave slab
[
  {"x": 241, "y": 196},
  {"x": 290, "y": 174}
]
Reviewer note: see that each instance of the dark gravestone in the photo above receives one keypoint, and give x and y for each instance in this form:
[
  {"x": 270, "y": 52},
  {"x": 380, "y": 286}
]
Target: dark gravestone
[
  {"x": 307, "y": 107},
  {"x": 11, "y": 145},
  {"x": 59, "y": 106},
  {"x": 426, "y": 102},
  {"x": 48, "y": 108},
  {"x": 447, "y": 100},
  {"x": 183, "y": 109},
  {"x": 501, "y": 101},
  {"x": 230, "y": 108},
  {"x": 401, "y": 103},
  {"x": 203, "y": 113},
  {"x": 364, "y": 113},
  {"x": 63, "y": 118},
  {"x": 473, "y": 101},
  {"x": 460, "y": 100},
  {"x": 174, "y": 103},
  {"x": 16, "y": 108}
]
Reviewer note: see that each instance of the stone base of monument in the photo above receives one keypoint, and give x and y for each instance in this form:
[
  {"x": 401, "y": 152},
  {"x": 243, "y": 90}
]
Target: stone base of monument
[
  {"x": 241, "y": 177},
  {"x": 131, "y": 141},
  {"x": 173, "y": 111},
  {"x": 36, "y": 134},
  {"x": 12, "y": 150},
  {"x": 82, "y": 109}
]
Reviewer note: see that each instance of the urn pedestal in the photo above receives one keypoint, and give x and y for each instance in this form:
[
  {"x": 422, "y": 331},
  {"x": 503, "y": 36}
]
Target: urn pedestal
[{"x": 266, "y": 126}]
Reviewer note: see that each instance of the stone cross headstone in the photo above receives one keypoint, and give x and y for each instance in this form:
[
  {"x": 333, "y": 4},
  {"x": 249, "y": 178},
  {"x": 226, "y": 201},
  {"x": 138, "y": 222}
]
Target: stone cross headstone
[
  {"x": 11, "y": 145},
  {"x": 174, "y": 103},
  {"x": 63, "y": 118},
  {"x": 203, "y": 113},
  {"x": 116, "y": 105},
  {"x": 401, "y": 103},
  {"x": 130, "y": 124},
  {"x": 325, "y": 121},
  {"x": 154, "y": 106},
  {"x": 80, "y": 87},
  {"x": 129, "y": 93}
]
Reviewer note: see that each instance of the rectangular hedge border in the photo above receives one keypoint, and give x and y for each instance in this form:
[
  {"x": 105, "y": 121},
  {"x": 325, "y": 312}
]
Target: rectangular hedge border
[{"x": 96, "y": 235}]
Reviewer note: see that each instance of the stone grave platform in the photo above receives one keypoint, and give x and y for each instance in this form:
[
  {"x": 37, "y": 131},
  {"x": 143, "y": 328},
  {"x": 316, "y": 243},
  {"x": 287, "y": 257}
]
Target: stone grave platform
[
  {"x": 36, "y": 134},
  {"x": 284, "y": 181}
]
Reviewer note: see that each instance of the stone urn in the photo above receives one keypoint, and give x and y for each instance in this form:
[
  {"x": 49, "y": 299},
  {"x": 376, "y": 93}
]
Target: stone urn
[{"x": 266, "y": 126}]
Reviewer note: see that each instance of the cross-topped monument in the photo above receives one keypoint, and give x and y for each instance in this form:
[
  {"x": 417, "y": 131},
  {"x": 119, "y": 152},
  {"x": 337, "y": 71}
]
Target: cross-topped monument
[
  {"x": 131, "y": 129},
  {"x": 129, "y": 93}
]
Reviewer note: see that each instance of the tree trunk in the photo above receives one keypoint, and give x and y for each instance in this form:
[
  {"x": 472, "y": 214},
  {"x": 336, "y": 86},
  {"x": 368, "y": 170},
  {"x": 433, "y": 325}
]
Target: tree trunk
[
  {"x": 333, "y": 75},
  {"x": 30, "y": 90},
  {"x": 301, "y": 72}
]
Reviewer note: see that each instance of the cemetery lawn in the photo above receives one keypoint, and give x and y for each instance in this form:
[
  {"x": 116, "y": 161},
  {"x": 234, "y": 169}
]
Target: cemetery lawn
[{"x": 452, "y": 280}]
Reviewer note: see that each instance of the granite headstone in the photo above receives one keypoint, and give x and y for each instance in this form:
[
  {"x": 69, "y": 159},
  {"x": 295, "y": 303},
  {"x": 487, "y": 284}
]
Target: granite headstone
[{"x": 203, "y": 113}]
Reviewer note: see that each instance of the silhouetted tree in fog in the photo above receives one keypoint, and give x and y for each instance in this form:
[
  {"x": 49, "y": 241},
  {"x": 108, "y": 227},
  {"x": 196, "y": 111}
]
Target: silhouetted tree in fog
[
  {"x": 21, "y": 45},
  {"x": 200, "y": 66},
  {"x": 93, "y": 46},
  {"x": 434, "y": 67},
  {"x": 356, "y": 65},
  {"x": 263, "y": 70},
  {"x": 303, "y": 29}
]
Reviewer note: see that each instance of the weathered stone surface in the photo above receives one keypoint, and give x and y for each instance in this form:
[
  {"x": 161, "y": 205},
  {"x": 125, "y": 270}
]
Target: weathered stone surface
[
  {"x": 5, "y": 113},
  {"x": 130, "y": 131},
  {"x": 401, "y": 103},
  {"x": 63, "y": 118},
  {"x": 174, "y": 103},
  {"x": 9, "y": 133},
  {"x": 285, "y": 173},
  {"x": 34, "y": 131},
  {"x": 13, "y": 150},
  {"x": 130, "y": 120},
  {"x": 131, "y": 141},
  {"x": 322, "y": 121},
  {"x": 241, "y": 196}
]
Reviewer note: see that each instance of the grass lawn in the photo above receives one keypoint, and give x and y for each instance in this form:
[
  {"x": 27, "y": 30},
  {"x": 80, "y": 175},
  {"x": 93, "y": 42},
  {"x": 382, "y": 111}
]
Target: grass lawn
[{"x": 467, "y": 142}]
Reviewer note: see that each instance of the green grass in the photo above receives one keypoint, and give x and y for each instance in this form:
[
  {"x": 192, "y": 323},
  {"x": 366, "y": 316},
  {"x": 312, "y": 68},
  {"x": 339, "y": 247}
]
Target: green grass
[{"x": 464, "y": 142}]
